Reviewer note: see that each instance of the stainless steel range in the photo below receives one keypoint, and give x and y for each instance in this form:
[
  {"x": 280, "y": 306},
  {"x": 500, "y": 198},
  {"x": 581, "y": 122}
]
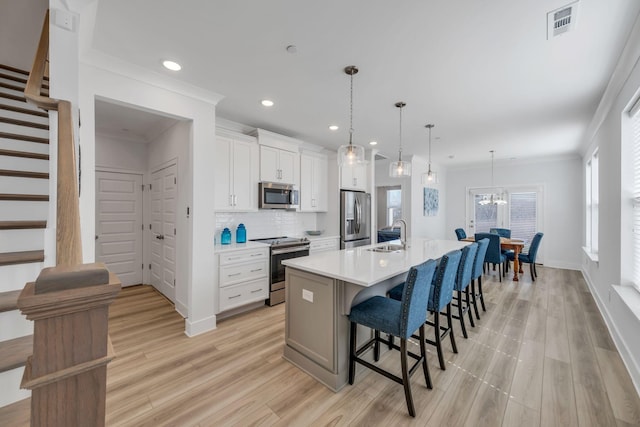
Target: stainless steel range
[{"x": 282, "y": 248}]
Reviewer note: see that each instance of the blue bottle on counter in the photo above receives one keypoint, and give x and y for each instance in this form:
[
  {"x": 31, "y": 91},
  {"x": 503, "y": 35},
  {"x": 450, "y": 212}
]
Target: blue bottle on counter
[
  {"x": 241, "y": 234},
  {"x": 225, "y": 237}
]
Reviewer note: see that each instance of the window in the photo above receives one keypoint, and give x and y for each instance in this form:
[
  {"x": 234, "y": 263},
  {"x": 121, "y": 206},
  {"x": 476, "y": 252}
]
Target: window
[
  {"x": 486, "y": 216},
  {"x": 523, "y": 215},
  {"x": 394, "y": 205},
  {"x": 591, "y": 197},
  {"x": 635, "y": 202}
]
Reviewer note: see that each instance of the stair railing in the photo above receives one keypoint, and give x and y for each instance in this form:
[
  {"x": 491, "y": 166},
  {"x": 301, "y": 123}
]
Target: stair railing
[
  {"x": 68, "y": 237},
  {"x": 69, "y": 303}
]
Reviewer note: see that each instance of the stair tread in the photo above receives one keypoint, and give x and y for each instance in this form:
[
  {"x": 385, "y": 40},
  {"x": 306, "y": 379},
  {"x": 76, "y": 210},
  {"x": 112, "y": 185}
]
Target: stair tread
[
  {"x": 24, "y": 174},
  {"x": 17, "y": 70},
  {"x": 26, "y": 154},
  {"x": 22, "y": 225},
  {"x": 14, "y": 353},
  {"x": 25, "y": 197},
  {"x": 9, "y": 300},
  {"x": 24, "y": 123},
  {"x": 25, "y": 257},
  {"x": 24, "y": 138},
  {"x": 38, "y": 113},
  {"x": 17, "y": 414}
]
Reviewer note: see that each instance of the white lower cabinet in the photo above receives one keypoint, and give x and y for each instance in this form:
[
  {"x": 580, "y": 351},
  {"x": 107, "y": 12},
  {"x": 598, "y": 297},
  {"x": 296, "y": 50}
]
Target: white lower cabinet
[{"x": 243, "y": 277}]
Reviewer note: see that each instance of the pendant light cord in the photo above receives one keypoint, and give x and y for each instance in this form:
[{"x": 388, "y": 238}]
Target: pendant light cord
[
  {"x": 430, "y": 126},
  {"x": 351, "y": 112},
  {"x": 400, "y": 150}
]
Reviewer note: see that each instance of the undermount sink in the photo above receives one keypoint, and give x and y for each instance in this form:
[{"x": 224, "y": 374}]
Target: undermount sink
[{"x": 387, "y": 248}]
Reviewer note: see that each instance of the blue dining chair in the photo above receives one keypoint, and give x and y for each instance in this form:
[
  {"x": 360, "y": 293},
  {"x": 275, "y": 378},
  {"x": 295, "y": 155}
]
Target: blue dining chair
[
  {"x": 397, "y": 318},
  {"x": 502, "y": 232},
  {"x": 460, "y": 233},
  {"x": 440, "y": 298},
  {"x": 494, "y": 254},
  {"x": 463, "y": 279},
  {"x": 530, "y": 256},
  {"x": 478, "y": 270}
]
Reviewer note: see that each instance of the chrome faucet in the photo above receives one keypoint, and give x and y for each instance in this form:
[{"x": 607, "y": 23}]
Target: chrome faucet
[{"x": 403, "y": 231}]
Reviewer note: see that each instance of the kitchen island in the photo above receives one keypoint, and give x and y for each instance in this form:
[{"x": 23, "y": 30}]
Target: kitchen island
[{"x": 322, "y": 288}]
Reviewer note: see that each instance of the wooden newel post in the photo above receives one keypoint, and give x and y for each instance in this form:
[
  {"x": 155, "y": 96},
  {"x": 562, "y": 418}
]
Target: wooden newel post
[{"x": 67, "y": 372}]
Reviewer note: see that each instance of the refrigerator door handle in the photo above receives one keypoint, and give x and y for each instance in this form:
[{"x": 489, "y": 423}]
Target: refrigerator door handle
[{"x": 358, "y": 215}]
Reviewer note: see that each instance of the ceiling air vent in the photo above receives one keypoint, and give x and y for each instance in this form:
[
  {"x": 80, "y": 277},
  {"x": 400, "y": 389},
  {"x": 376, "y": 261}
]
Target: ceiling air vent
[{"x": 561, "y": 20}]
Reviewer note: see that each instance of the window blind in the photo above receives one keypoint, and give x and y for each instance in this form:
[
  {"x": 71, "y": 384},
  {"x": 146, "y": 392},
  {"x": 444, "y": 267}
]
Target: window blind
[
  {"x": 523, "y": 217},
  {"x": 636, "y": 195}
]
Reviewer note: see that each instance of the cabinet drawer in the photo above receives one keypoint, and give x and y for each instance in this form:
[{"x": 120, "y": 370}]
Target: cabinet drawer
[
  {"x": 232, "y": 274},
  {"x": 234, "y": 296},
  {"x": 243, "y": 256},
  {"x": 324, "y": 245}
]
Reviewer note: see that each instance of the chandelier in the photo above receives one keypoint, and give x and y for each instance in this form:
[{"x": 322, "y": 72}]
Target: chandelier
[{"x": 493, "y": 198}]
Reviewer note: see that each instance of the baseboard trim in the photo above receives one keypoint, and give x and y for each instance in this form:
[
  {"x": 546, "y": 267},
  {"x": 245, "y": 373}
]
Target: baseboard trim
[
  {"x": 182, "y": 309},
  {"x": 626, "y": 355},
  {"x": 191, "y": 329}
]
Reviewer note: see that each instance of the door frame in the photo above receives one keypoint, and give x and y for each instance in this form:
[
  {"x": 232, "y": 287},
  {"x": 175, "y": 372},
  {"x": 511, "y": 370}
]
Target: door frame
[{"x": 145, "y": 249}]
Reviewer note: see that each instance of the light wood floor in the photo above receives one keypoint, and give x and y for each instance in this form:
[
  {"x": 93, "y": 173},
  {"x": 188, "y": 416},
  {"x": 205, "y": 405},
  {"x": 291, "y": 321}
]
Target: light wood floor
[{"x": 540, "y": 356}]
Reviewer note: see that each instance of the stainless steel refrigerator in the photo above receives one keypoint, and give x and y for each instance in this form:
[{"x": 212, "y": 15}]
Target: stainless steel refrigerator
[{"x": 355, "y": 219}]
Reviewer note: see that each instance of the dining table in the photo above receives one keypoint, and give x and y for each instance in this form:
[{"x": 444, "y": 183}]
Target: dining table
[{"x": 506, "y": 243}]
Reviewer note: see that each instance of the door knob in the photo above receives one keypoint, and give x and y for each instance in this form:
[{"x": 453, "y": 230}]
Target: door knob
[{"x": 159, "y": 237}]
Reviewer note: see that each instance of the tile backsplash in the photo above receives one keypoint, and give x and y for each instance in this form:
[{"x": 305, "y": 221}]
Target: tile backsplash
[{"x": 266, "y": 223}]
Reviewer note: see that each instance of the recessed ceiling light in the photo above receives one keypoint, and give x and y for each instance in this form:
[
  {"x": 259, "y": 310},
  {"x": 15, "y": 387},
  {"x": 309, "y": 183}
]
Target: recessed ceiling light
[
  {"x": 373, "y": 143},
  {"x": 171, "y": 65},
  {"x": 334, "y": 127},
  {"x": 267, "y": 102}
]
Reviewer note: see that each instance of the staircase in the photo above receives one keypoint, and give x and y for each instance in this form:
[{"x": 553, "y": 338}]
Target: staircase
[{"x": 24, "y": 196}]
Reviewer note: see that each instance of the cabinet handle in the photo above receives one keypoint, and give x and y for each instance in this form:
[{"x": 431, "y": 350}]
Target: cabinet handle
[
  {"x": 230, "y": 199},
  {"x": 234, "y": 274},
  {"x": 257, "y": 290},
  {"x": 235, "y": 296},
  {"x": 355, "y": 181},
  {"x": 234, "y": 257},
  {"x": 257, "y": 269},
  {"x": 256, "y": 255},
  {"x": 235, "y": 200}
]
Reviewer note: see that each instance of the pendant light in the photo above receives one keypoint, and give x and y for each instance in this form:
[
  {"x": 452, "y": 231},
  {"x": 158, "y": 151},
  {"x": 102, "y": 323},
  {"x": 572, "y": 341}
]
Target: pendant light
[
  {"x": 430, "y": 177},
  {"x": 493, "y": 198},
  {"x": 399, "y": 169},
  {"x": 349, "y": 154}
]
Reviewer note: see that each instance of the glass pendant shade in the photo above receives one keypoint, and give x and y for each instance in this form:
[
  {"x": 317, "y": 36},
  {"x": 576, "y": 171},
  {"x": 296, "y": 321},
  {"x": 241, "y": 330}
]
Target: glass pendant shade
[
  {"x": 430, "y": 177},
  {"x": 349, "y": 154},
  {"x": 399, "y": 169}
]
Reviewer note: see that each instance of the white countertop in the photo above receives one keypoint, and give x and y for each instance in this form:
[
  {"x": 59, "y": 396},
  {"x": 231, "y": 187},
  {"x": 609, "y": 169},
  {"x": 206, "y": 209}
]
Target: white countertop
[
  {"x": 366, "y": 268},
  {"x": 218, "y": 248}
]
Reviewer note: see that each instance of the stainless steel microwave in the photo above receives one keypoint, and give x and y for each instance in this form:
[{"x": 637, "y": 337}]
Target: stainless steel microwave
[{"x": 274, "y": 195}]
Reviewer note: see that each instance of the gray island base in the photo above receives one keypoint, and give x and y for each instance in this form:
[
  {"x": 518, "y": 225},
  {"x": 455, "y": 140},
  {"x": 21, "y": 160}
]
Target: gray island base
[{"x": 322, "y": 288}]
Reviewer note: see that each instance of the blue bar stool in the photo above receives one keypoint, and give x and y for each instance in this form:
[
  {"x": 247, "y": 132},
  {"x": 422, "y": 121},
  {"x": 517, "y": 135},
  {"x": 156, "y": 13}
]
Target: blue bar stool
[
  {"x": 396, "y": 318},
  {"x": 478, "y": 270},
  {"x": 463, "y": 279},
  {"x": 439, "y": 298}
]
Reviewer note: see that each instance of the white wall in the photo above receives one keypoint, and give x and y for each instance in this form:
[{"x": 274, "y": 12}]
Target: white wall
[
  {"x": 617, "y": 303},
  {"x": 432, "y": 227},
  {"x": 120, "y": 82},
  {"x": 115, "y": 153},
  {"x": 561, "y": 180}
]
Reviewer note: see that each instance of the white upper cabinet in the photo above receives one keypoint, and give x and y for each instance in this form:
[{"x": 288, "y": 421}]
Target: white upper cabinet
[
  {"x": 279, "y": 158},
  {"x": 313, "y": 183},
  {"x": 353, "y": 177},
  {"x": 278, "y": 165},
  {"x": 236, "y": 173}
]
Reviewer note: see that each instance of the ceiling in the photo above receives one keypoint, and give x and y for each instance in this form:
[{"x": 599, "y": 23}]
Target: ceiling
[
  {"x": 129, "y": 124},
  {"x": 482, "y": 71}
]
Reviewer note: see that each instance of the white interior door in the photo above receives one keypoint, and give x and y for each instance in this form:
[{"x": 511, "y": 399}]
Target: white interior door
[
  {"x": 119, "y": 224},
  {"x": 163, "y": 230}
]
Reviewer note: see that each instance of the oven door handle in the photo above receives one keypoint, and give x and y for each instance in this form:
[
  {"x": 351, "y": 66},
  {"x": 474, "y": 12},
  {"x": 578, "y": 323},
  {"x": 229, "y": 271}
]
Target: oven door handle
[{"x": 290, "y": 250}]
